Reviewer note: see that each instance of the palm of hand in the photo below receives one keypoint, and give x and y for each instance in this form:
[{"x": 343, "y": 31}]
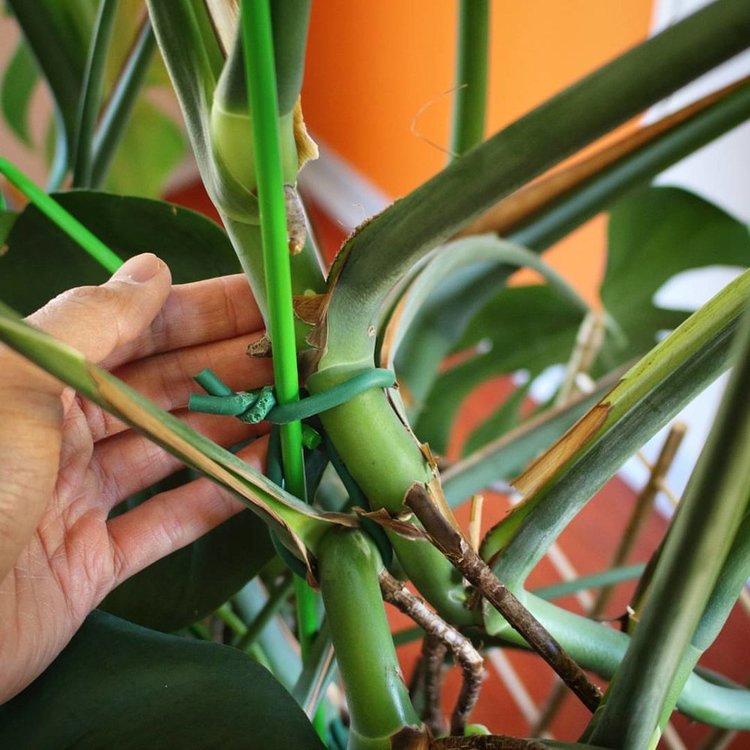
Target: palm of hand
[{"x": 76, "y": 555}]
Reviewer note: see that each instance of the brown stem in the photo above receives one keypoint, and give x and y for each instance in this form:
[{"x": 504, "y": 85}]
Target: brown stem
[
  {"x": 453, "y": 545},
  {"x": 433, "y": 661},
  {"x": 486, "y": 742},
  {"x": 439, "y": 632}
]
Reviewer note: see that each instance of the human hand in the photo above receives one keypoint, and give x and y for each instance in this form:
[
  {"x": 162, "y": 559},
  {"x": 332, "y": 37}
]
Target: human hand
[{"x": 65, "y": 463}]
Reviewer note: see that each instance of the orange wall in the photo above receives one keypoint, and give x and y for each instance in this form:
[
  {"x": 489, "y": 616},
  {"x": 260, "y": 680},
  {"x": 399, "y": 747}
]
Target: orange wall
[{"x": 379, "y": 74}]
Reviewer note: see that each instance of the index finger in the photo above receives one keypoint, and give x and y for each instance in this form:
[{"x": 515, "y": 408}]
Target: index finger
[{"x": 196, "y": 313}]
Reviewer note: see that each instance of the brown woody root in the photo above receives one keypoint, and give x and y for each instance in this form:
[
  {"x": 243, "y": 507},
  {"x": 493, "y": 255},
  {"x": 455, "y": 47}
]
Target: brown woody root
[
  {"x": 440, "y": 637},
  {"x": 453, "y": 545},
  {"x": 486, "y": 742}
]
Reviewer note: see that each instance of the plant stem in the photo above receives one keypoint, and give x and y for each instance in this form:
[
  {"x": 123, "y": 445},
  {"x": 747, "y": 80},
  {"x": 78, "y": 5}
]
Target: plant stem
[
  {"x": 471, "y": 75},
  {"x": 458, "y": 551},
  {"x": 260, "y": 75},
  {"x": 582, "y": 583},
  {"x": 91, "y": 93},
  {"x": 651, "y": 675},
  {"x": 348, "y": 567},
  {"x": 440, "y": 637},
  {"x": 65, "y": 221},
  {"x": 120, "y": 105}
]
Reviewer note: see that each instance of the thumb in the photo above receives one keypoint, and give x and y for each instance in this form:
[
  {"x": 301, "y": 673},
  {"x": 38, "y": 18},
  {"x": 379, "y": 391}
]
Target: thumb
[{"x": 98, "y": 320}]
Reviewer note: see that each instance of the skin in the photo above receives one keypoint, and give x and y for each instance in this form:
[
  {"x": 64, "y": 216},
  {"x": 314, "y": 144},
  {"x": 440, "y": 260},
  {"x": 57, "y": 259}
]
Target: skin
[{"x": 65, "y": 463}]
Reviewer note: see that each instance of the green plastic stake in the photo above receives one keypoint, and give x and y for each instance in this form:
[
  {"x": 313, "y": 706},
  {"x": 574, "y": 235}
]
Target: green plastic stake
[
  {"x": 58, "y": 215},
  {"x": 260, "y": 74}
]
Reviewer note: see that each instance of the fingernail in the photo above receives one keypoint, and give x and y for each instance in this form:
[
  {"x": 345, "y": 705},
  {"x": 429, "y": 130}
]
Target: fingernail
[{"x": 139, "y": 269}]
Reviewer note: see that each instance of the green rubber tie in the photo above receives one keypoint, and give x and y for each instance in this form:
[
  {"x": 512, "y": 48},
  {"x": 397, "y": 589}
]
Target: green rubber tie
[
  {"x": 59, "y": 216},
  {"x": 254, "y": 406},
  {"x": 333, "y": 397}
]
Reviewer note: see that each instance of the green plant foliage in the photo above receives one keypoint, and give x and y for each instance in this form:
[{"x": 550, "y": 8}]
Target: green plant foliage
[
  {"x": 58, "y": 35},
  {"x": 528, "y": 327},
  {"x": 654, "y": 234},
  {"x": 192, "y": 245},
  {"x": 124, "y": 687},
  {"x": 151, "y": 147},
  {"x": 192, "y": 582},
  {"x": 18, "y": 84}
]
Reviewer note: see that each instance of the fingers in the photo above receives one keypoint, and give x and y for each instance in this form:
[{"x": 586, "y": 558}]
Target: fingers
[
  {"x": 196, "y": 313},
  {"x": 173, "y": 519},
  {"x": 129, "y": 462},
  {"x": 166, "y": 379},
  {"x": 97, "y": 320}
]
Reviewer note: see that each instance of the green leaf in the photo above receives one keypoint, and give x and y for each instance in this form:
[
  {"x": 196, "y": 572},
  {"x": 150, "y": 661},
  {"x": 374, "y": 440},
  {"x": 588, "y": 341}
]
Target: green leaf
[
  {"x": 18, "y": 84},
  {"x": 151, "y": 147},
  {"x": 42, "y": 261},
  {"x": 654, "y": 234},
  {"x": 528, "y": 327},
  {"x": 124, "y": 687},
  {"x": 194, "y": 581}
]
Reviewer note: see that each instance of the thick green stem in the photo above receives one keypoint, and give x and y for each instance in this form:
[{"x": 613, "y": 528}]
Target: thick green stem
[
  {"x": 471, "y": 75},
  {"x": 379, "y": 705}
]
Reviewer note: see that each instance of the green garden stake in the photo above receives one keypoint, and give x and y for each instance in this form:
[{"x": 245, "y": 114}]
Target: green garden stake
[
  {"x": 255, "y": 22},
  {"x": 59, "y": 216}
]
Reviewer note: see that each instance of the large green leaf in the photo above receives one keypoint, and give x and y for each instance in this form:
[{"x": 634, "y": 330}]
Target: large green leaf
[
  {"x": 654, "y": 234},
  {"x": 18, "y": 84},
  {"x": 192, "y": 582},
  {"x": 528, "y": 327},
  {"x": 42, "y": 261},
  {"x": 121, "y": 686}
]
